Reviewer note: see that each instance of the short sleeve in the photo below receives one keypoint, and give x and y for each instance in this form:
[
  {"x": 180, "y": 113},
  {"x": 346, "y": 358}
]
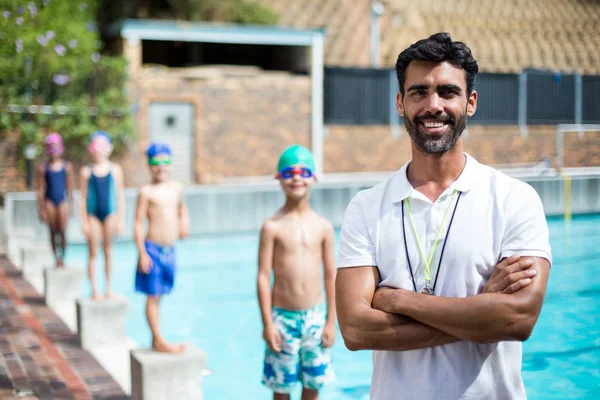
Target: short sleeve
[
  {"x": 356, "y": 247},
  {"x": 526, "y": 232}
]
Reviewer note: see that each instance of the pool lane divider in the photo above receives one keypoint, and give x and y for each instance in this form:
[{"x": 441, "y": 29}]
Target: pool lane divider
[{"x": 73, "y": 381}]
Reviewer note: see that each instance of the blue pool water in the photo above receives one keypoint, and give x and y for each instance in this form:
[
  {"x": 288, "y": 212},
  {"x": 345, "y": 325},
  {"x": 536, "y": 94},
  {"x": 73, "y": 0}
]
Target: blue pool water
[{"x": 214, "y": 306}]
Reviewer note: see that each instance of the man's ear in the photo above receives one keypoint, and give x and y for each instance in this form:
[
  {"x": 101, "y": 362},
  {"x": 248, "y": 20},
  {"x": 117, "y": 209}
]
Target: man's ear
[
  {"x": 472, "y": 104},
  {"x": 399, "y": 105}
]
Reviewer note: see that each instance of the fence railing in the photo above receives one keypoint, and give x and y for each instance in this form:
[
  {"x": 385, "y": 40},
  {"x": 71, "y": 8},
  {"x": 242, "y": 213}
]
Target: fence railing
[
  {"x": 534, "y": 97},
  {"x": 234, "y": 209}
]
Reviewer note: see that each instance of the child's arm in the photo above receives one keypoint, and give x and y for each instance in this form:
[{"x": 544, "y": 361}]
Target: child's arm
[
  {"x": 141, "y": 211},
  {"x": 265, "y": 266},
  {"x": 41, "y": 189},
  {"x": 120, "y": 184},
  {"x": 184, "y": 217},
  {"x": 84, "y": 177},
  {"x": 70, "y": 186},
  {"x": 329, "y": 267}
]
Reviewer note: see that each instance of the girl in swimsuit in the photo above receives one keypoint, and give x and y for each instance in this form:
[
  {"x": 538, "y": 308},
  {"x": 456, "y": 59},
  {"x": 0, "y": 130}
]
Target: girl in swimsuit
[
  {"x": 54, "y": 194},
  {"x": 102, "y": 205}
]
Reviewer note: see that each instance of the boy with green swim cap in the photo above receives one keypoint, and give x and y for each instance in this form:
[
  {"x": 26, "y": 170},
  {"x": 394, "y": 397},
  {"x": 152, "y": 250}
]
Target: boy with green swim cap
[
  {"x": 161, "y": 204},
  {"x": 294, "y": 243}
]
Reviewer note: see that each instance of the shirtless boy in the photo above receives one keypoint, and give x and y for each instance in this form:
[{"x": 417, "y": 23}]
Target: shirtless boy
[
  {"x": 294, "y": 243},
  {"x": 161, "y": 202}
]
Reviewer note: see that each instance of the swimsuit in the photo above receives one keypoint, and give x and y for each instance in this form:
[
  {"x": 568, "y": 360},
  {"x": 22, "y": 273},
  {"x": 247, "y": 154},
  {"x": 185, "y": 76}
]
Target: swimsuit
[
  {"x": 302, "y": 358},
  {"x": 56, "y": 185},
  {"x": 102, "y": 196},
  {"x": 161, "y": 277}
]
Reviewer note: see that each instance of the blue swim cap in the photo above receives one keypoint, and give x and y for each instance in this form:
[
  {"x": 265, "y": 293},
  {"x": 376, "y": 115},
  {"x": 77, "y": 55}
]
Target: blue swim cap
[
  {"x": 157, "y": 148},
  {"x": 100, "y": 135}
]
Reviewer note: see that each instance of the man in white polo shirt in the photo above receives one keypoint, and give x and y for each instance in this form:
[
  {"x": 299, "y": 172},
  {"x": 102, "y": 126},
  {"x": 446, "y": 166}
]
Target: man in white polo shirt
[{"x": 443, "y": 267}]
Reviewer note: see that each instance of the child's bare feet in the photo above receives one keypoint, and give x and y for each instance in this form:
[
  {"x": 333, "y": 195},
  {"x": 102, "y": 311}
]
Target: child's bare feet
[
  {"x": 164, "y": 347},
  {"x": 109, "y": 294},
  {"x": 60, "y": 263},
  {"x": 96, "y": 295}
]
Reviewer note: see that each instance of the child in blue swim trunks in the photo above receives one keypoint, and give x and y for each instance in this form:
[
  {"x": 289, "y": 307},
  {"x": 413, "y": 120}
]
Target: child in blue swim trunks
[
  {"x": 161, "y": 202},
  {"x": 102, "y": 204},
  {"x": 296, "y": 245},
  {"x": 55, "y": 194}
]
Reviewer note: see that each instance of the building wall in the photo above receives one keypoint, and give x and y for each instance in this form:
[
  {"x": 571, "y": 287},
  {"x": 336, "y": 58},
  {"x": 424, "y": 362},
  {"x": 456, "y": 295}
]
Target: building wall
[
  {"x": 244, "y": 117},
  {"x": 372, "y": 148}
]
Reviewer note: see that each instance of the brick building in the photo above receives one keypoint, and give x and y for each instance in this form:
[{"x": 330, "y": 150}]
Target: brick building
[
  {"x": 221, "y": 120},
  {"x": 230, "y": 98}
]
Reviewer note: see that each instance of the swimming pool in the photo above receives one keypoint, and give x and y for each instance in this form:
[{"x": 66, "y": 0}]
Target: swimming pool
[{"x": 214, "y": 306}]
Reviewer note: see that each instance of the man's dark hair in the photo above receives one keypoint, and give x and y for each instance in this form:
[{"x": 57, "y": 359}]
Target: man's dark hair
[{"x": 438, "y": 48}]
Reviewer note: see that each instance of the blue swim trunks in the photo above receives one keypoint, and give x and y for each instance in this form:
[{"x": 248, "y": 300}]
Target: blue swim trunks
[
  {"x": 302, "y": 358},
  {"x": 161, "y": 277}
]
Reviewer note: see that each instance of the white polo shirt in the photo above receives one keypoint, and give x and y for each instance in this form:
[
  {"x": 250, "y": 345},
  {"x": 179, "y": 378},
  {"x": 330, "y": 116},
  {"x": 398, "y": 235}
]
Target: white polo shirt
[{"x": 496, "y": 216}]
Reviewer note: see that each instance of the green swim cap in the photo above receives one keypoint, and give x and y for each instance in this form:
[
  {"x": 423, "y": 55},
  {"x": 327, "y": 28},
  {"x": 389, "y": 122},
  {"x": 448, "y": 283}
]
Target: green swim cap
[{"x": 296, "y": 155}]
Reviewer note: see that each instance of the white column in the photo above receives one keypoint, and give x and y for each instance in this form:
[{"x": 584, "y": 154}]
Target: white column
[{"x": 317, "y": 101}]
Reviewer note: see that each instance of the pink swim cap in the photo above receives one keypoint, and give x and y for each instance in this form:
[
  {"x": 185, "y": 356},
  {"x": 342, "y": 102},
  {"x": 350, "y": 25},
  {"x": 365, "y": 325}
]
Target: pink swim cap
[{"x": 54, "y": 144}]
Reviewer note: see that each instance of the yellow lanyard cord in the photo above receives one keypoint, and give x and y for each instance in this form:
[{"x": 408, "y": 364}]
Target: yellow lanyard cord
[{"x": 427, "y": 260}]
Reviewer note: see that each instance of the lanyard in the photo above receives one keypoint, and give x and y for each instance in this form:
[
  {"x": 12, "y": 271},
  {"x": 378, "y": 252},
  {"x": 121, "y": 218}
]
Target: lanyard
[{"x": 427, "y": 261}]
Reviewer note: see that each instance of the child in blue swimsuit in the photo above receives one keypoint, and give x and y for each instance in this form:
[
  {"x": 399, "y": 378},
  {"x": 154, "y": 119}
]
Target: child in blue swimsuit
[
  {"x": 55, "y": 194},
  {"x": 161, "y": 203},
  {"x": 102, "y": 204}
]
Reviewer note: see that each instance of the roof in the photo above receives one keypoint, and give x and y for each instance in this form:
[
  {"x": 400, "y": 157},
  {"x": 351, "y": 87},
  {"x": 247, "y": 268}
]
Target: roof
[
  {"x": 213, "y": 33},
  {"x": 505, "y": 36},
  {"x": 346, "y": 23}
]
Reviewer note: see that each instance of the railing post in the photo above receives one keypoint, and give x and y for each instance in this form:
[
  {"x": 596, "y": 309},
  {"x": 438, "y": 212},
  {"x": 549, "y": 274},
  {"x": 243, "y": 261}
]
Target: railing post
[
  {"x": 523, "y": 103},
  {"x": 578, "y": 103}
]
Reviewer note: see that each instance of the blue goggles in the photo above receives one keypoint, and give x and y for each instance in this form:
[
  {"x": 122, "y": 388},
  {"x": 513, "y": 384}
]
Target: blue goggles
[{"x": 289, "y": 172}]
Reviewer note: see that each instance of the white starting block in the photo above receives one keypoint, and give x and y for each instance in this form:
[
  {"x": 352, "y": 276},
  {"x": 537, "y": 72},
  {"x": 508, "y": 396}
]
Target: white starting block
[
  {"x": 62, "y": 287},
  {"x": 35, "y": 259},
  {"x": 157, "y": 376},
  {"x": 102, "y": 322},
  {"x": 15, "y": 241}
]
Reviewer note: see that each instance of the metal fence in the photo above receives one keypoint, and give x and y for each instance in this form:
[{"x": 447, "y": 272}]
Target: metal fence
[
  {"x": 590, "y": 99},
  {"x": 356, "y": 96},
  {"x": 497, "y": 100}
]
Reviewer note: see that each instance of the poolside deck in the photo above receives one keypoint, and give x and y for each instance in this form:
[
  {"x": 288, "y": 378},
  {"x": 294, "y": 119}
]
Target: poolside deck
[{"x": 39, "y": 355}]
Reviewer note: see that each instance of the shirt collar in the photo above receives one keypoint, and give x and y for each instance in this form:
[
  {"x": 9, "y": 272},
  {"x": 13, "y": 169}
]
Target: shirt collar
[{"x": 402, "y": 187}]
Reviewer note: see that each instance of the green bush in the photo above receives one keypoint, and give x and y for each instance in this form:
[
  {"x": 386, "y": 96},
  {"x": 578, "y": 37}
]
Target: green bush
[{"x": 50, "y": 55}]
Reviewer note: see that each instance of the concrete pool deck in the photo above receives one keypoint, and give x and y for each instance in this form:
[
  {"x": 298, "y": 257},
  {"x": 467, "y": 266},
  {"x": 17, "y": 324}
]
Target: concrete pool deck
[{"x": 39, "y": 355}]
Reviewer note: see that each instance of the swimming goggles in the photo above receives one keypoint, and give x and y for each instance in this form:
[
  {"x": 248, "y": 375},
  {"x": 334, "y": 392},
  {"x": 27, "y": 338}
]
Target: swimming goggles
[
  {"x": 162, "y": 159},
  {"x": 99, "y": 144},
  {"x": 289, "y": 172},
  {"x": 54, "y": 148}
]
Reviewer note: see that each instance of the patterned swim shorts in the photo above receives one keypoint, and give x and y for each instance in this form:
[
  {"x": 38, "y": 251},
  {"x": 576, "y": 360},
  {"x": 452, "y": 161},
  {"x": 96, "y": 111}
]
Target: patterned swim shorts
[{"x": 302, "y": 358}]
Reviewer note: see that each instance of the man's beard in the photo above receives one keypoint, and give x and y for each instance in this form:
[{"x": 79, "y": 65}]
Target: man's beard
[{"x": 436, "y": 144}]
